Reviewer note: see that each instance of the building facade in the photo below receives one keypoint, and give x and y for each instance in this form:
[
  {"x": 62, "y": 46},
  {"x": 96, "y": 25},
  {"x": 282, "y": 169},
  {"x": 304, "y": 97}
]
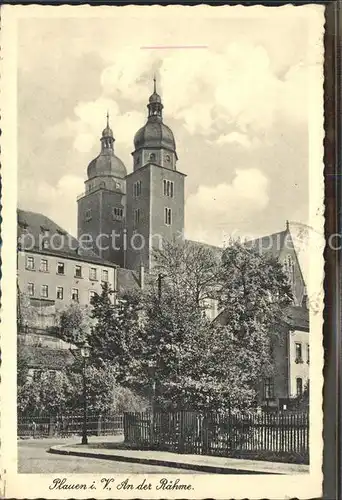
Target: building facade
[{"x": 52, "y": 269}]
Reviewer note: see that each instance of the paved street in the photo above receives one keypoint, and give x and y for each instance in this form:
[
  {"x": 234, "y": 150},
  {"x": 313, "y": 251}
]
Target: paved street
[{"x": 34, "y": 458}]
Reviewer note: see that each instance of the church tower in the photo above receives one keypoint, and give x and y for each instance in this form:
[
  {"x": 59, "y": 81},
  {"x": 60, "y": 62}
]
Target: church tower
[
  {"x": 101, "y": 208},
  {"x": 155, "y": 189}
]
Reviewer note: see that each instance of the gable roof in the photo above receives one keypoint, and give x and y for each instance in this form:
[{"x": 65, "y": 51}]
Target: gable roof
[
  {"x": 30, "y": 231},
  {"x": 271, "y": 244},
  {"x": 295, "y": 317},
  {"x": 127, "y": 280}
]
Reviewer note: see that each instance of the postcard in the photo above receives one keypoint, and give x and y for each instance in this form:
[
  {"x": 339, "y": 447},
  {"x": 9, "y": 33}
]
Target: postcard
[{"x": 162, "y": 257}]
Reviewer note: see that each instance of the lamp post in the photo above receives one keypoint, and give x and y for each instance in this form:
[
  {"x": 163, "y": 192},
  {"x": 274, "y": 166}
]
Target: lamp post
[
  {"x": 85, "y": 349},
  {"x": 152, "y": 375}
]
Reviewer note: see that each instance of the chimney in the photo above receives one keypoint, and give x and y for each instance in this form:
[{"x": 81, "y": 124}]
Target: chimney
[{"x": 142, "y": 275}]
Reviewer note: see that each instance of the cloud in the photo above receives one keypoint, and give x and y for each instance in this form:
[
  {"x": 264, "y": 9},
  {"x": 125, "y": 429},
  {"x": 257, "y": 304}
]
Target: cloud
[
  {"x": 222, "y": 205},
  {"x": 238, "y": 138},
  {"x": 90, "y": 119},
  {"x": 57, "y": 202}
]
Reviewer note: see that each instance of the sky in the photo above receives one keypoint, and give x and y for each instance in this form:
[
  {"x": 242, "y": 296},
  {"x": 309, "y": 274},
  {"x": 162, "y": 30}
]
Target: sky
[{"x": 238, "y": 106}]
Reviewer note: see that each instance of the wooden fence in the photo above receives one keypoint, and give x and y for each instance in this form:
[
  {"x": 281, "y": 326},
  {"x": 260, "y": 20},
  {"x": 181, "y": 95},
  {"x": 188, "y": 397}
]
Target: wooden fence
[
  {"x": 221, "y": 435},
  {"x": 46, "y": 425}
]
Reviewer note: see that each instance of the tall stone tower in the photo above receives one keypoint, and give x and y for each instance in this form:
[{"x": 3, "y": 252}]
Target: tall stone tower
[
  {"x": 101, "y": 208},
  {"x": 155, "y": 189}
]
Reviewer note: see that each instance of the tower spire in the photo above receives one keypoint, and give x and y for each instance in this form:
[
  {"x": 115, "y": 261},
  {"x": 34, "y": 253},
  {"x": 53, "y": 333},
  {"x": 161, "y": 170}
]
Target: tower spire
[
  {"x": 155, "y": 105},
  {"x": 107, "y": 118}
]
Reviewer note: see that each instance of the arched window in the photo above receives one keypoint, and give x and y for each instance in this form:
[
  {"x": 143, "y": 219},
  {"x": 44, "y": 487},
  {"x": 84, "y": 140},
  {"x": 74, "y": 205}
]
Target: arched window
[{"x": 152, "y": 157}]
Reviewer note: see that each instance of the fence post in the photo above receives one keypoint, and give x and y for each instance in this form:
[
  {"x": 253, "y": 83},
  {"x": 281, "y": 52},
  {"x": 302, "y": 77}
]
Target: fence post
[
  {"x": 51, "y": 426},
  {"x": 99, "y": 425}
]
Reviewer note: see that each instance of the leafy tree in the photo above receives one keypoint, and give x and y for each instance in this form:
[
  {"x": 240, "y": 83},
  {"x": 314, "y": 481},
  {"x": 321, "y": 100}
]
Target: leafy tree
[
  {"x": 22, "y": 365},
  {"x": 116, "y": 337},
  {"x": 189, "y": 268},
  {"x": 254, "y": 293},
  {"x": 75, "y": 323},
  {"x": 206, "y": 365},
  {"x": 51, "y": 394},
  {"x": 27, "y": 313}
]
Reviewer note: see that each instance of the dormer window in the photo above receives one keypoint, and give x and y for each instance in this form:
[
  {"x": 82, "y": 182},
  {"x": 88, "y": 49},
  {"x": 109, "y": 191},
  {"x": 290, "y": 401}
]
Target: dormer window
[{"x": 23, "y": 225}]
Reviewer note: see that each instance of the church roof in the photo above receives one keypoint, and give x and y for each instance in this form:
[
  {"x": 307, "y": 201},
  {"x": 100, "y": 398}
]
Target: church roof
[
  {"x": 31, "y": 229},
  {"x": 106, "y": 164},
  {"x": 127, "y": 280},
  {"x": 271, "y": 244},
  {"x": 295, "y": 317},
  {"x": 155, "y": 134}
]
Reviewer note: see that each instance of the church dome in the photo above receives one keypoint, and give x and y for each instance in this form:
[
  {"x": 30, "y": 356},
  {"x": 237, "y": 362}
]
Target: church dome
[
  {"x": 155, "y": 97},
  {"x": 106, "y": 165},
  {"x": 154, "y": 134},
  {"x": 107, "y": 132}
]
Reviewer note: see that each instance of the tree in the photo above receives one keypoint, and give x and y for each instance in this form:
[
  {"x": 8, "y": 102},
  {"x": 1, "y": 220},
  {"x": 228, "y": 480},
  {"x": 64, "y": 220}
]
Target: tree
[
  {"x": 254, "y": 293},
  {"x": 51, "y": 394},
  {"x": 190, "y": 268},
  {"x": 22, "y": 365},
  {"x": 203, "y": 365},
  {"x": 27, "y": 313},
  {"x": 75, "y": 323},
  {"x": 117, "y": 333}
]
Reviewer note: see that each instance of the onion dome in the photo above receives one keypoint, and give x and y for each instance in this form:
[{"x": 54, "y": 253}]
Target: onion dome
[
  {"x": 107, "y": 163},
  {"x": 155, "y": 134}
]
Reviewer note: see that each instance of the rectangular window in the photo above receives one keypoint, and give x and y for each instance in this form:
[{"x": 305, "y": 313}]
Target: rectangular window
[
  {"x": 168, "y": 188},
  {"x": 307, "y": 353},
  {"x": 137, "y": 189},
  {"x": 168, "y": 216},
  {"x": 30, "y": 289},
  {"x": 43, "y": 266},
  {"x": 299, "y": 386},
  {"x": 60, "y": 267},
  {"x": 87, "y": 214},
  {"x": 78, "y": 271},
  {"x": 117, "y": 213},
  {"x": 269, "y": 388},
  {"x": 136, "y": 216},
  {"x": 74, "y": 294},
  {"x": 91, "y": 295},
  {"x": 104, "y": 275},
  {"x": 299, "y": 358},
  {"x": 30, "y": 263},
  {"x": 92, "y": 273},
  {"x": 59, "y": 293},
  {"x": 44, "y": 291}
]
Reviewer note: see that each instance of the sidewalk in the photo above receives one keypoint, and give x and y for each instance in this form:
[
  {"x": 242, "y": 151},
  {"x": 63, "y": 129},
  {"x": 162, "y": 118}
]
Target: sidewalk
[{"x": 111, "y": 448}]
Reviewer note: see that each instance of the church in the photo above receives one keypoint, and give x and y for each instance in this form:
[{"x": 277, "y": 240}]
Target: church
[
  {"x": 128, "y": 215},
  {"x": 122, "y": 218}
]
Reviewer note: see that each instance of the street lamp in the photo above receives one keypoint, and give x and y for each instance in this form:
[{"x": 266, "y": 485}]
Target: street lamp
[
  {"x": 152, "y": 375},
  {"x": 85, "y": 349}
]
